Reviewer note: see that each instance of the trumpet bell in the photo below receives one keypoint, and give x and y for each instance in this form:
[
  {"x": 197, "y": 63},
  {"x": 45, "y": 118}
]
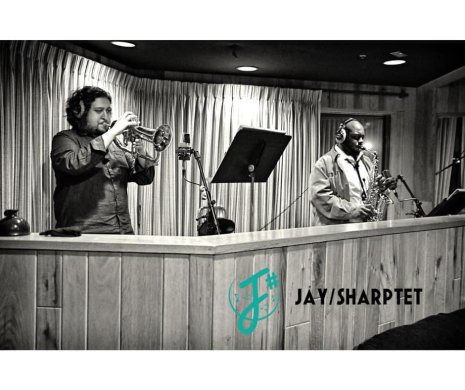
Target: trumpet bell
[
  {"x": 159, "y": 137},
  {"x": 162, "y": 138}
]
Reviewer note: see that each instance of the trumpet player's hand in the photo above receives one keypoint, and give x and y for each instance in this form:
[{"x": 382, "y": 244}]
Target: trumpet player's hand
[
  {"x": 139, "y": 147},
  {"x": 126, "y": 120}
]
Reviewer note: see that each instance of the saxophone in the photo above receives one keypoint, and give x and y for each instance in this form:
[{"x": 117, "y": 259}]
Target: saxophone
[{"x": 377, "y": 197}]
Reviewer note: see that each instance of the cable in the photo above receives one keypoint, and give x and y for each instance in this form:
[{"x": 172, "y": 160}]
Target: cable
[
  {"x": 296, "y": 199},
  {"x": 191, "y": 182}
]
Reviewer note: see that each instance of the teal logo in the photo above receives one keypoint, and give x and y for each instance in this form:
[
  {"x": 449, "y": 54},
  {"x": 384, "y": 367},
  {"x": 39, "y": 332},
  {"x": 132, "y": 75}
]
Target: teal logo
[{"x": 254, "y": 299}]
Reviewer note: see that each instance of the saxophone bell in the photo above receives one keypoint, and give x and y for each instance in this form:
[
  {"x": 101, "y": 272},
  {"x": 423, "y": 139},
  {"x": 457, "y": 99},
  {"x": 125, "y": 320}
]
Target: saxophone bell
[{"x": 377, "y": 197}]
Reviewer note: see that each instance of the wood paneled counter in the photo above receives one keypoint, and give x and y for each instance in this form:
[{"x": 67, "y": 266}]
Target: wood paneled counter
[{"x": 149, "y": 292}]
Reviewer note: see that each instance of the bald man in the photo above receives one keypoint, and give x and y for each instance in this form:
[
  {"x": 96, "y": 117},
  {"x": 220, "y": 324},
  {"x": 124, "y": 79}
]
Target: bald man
[{"x": 339, "y": 180}]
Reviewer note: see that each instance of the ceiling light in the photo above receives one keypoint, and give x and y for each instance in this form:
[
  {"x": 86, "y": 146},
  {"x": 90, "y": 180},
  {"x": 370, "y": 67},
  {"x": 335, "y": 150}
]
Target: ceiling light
[
  {"x": 394, "y": 62},
  {"x": 398, "y": 54},
  {"x": 123, "y": 44},
  {"x": 247, "y": 68}
]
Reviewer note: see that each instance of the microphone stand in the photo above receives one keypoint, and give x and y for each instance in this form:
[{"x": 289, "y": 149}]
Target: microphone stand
[
  {"x": 455, "y": 160},
  {"x": 419, "y": 212},
  {"x": 207, "y": 190},
  {"x": 184, "y": 154}
]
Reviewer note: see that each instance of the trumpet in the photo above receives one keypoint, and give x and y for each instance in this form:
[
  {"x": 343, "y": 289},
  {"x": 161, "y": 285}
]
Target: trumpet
[{"x": 160, "y": 138}]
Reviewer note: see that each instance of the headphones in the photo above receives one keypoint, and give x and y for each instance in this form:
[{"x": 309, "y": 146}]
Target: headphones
[
  {"x": 341, "y": 131},
  {"x": 81, "y": 110}
]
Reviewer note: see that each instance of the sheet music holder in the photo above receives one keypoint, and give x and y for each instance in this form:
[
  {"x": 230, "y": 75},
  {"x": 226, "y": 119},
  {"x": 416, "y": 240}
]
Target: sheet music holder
[
  {"x": 251, "y": 158},
  {"x": 451, "y": 205}
]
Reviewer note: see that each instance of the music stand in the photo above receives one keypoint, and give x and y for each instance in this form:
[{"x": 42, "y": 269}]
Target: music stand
[
  {"x": 451, "y": 205},
  {"x": 251, "y": 157}
]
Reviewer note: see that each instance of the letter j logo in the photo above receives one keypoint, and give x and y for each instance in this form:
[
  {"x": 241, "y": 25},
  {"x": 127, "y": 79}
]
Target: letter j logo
[{"x": 254, "y": 299}]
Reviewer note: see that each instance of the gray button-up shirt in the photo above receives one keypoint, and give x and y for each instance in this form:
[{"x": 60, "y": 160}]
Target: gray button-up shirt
[{"x": 91, "y": 183}]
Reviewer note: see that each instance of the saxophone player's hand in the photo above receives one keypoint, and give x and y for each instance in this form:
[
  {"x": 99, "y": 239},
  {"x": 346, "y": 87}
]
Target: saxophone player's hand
[
  {"x": 364, "y": 211},
  {"x": 388, "y": 183}
]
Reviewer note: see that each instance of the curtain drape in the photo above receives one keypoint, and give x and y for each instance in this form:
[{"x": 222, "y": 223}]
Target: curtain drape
[
  {"x": 36, "y": 80},
  {"x": 445, "y": 142},
  {"x": 462, "y": 151}
]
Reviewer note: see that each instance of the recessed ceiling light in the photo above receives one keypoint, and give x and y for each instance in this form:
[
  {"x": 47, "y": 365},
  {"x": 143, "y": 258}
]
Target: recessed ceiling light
[
  {"x": 398, "y": 54},
  {"x": 123, "y": 44},
  {"x": 247, "y": 68},
  {"x": 394, "y": 62}
]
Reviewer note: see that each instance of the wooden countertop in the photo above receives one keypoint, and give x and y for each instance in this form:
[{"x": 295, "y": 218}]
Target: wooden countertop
[{"x": 229, "y": 243}]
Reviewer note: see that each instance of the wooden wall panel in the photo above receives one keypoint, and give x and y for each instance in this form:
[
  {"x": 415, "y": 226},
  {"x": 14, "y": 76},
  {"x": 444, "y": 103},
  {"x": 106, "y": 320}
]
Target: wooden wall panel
[
  {"x": 17, "y": 299},
  {"x": 462, "y": 289},
  {"x": 388, "y": 280},
  {"x": 144, "y": 301},
  {"x": 423, "y": 181},
  {"x": 407, "y": 275},
  {"x": 175, "y": 301},
  {"x": 318, "y": 281},
  {"x": 297, "y": 337},
  {"x": 434, "y": 99},
  {"x": 141, "y": 301},
  {"x": 224, "y": 319},
  {"x": 104, "y": 296},
  {"x": 361, "y": 255},
  {"x": 451, "y": 265},
  {"x": 48, "y": 328},
  {"x": 422, "y": 254},
  {"x": 440, "y": 271},
  {"x": 349, "y": 278},
  {"x": 431, "y": 265},
  {"x": 244, "y": 269},
  {"x": 75, "y": 294},
  {"x": 299, "y": 261},
  {"x": 376, "y": 247},
  {"x": 275, "y": 322},
  {"x": 333, "y": 321},
  {"x": 459, "y": 252},
  {"x": 49, "y": 265},
  {"x": 384, "y": 327},
  {"x": 260, "y": 335},
  {"x": 200, "y": 302}
]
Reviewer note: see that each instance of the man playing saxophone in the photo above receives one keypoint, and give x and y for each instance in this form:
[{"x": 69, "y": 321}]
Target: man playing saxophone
[{"x": 342, "y": 180}]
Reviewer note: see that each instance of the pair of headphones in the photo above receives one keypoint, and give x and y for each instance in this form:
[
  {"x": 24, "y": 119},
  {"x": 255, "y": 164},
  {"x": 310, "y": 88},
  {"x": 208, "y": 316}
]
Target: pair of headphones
[
  {"x": 81, "y": 110},
  {"x": 341, "y": 133}
]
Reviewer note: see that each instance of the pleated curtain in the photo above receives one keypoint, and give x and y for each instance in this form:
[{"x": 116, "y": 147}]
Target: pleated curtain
[
  {"x": 445, "y": 143},
  {"x": 36, "y": 80}
]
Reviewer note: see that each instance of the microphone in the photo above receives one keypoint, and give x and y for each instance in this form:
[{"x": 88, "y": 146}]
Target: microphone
[{"x": 184, "y": 150}]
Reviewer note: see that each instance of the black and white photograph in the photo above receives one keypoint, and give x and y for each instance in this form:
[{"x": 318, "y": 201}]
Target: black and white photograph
[{"x": 232, "y": 195}]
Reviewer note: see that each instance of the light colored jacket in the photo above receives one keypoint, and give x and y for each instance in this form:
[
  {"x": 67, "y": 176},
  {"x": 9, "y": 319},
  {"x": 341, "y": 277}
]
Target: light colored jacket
[{"x": 330, "y": 192}]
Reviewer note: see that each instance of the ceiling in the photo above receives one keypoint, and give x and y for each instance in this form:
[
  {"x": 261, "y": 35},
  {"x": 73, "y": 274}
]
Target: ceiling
[{"x": 335, "y": 61}]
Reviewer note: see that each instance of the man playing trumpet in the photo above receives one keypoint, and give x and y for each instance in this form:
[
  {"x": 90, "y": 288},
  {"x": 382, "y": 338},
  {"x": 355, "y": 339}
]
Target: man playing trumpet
[
  {"x": 340, "y": 180},
  {"x": 91, "y": 172}
]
